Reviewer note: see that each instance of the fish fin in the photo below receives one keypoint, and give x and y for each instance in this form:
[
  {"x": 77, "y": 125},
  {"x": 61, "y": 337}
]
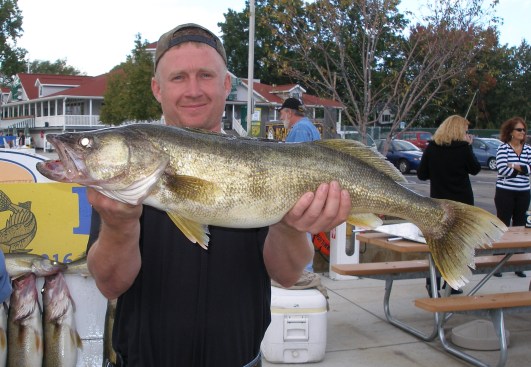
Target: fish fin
[
  {"x": 465, "y": 227},
  {"x": 365, "y": 154},
  {"x": 195, "y": 232},
  {"x": 365, "y": 220},
  {"x": 21, "y": 251},
  {"x": 76, "y": 339},
  {"x": 136, "y": 192},
  {"x": 192, "y": 188}
]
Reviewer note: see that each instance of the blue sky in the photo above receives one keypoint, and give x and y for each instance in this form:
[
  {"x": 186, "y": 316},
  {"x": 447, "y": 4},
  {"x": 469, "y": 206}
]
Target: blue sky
[{"x": 95, "y": 36}]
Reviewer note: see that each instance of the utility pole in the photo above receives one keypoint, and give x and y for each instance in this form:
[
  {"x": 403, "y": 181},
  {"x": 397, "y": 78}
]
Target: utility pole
[
  {"x": 250, "y": 68},
  {"x": 471, "y": 102}
]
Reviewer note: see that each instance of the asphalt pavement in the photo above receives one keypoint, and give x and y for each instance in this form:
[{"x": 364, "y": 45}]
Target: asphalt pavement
[{"x": 483, "y": 185}]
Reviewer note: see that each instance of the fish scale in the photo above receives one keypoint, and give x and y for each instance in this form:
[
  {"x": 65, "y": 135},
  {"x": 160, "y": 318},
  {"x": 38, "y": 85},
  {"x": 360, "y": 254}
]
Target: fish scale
[{"x": 202, "y": 178}]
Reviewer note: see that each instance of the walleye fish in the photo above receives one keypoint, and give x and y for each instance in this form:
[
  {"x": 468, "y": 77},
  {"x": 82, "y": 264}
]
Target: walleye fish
[
  {"x": 21, "y": 264},
  {"x": 24, "y": 329},
  {"x": 61, "y": 339},
  {"x": 78, "y": 266},
  {"x": 202, "y": 178}
]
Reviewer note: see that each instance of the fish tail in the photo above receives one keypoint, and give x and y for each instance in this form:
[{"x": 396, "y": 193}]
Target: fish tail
[{"x": 452, "y": 243}]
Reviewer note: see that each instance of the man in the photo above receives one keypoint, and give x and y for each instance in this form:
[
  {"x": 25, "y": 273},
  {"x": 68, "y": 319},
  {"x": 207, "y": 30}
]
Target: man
[
  {"x": 300, "y": 127},
  {"x": 179, "y": 305}
]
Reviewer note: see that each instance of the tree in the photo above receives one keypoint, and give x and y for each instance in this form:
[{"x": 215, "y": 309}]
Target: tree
[
  {"x": 128, "y": 96},
  {"x": 11, "y": 56},
  {"x": 512, "y": 95},
  {"x": 59, "y": 67},
  {"x": 361, "y": 53},
  {"x": 268, "y": 47}
]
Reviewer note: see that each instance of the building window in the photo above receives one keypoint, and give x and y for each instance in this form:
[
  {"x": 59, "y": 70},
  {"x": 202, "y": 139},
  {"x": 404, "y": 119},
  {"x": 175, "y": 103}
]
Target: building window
[{"x": 74, "y": 108}]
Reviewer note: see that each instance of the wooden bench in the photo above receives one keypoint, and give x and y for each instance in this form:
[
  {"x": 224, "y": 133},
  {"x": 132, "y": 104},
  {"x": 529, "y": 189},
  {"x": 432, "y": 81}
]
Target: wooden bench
[
  {"x": 476, "y": 302},
  {"x": 495, "y": 304},
  {"x": 410, "y": 269},
  {"x": 414, "y": 269}
]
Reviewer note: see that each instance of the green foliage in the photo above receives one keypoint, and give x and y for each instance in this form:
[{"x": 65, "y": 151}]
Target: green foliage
[
  {"x": 128, "y": 96},
  {"x": 58, "y": 67},
  {"x": 268, "y": 48},
  {"x": 11, "y": 56},
  {"x": 367, "y": 55}
]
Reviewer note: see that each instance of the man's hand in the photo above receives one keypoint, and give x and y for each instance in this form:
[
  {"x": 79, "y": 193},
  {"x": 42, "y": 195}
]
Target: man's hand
[
  {"x": 321, "y": 211},
  {"x": 114, "y": 258},
  {"x": 287, "y": 250},
  {"x": 113, "y": 213}
]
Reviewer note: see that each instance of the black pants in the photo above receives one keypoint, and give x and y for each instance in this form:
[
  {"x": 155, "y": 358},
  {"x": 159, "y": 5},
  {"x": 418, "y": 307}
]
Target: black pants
[{"x": 511, "y": 204}]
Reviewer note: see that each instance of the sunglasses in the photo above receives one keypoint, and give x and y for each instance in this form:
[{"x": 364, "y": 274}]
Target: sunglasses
[{"x": 519, "y": 129}]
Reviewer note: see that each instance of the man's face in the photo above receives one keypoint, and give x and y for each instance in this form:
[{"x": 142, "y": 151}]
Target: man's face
[
  {"x": 192, "y": 84},
  {"x": 285, "y": 117}
]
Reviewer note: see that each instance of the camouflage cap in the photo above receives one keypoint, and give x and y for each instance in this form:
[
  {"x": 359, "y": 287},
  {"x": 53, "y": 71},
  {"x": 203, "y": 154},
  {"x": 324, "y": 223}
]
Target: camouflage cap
[{"x": 189, "y": 32}]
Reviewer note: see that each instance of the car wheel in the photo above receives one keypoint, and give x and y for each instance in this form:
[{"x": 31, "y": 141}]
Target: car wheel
[
  {"x": 403, "y": 166},
  {"x": 492, "y": 164}
]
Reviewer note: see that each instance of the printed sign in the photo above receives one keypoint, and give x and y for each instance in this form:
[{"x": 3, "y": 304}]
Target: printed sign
[
  {"x": 40, "y": 216},
  {"x": 18, "y": 166}
]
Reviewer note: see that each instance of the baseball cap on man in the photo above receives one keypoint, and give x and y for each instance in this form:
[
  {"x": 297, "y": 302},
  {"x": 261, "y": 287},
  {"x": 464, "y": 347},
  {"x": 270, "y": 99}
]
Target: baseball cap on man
[
  {"x": 189, "y": 32},
  {"x": 292, "y": 103}
]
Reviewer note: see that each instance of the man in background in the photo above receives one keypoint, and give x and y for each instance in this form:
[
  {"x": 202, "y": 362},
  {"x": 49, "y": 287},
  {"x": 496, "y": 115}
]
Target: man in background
[{"x": 300, "y": 129}]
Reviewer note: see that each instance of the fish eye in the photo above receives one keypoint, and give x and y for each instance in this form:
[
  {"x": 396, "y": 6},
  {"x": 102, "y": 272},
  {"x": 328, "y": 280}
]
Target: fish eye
[{"x": 85, "y": 142}]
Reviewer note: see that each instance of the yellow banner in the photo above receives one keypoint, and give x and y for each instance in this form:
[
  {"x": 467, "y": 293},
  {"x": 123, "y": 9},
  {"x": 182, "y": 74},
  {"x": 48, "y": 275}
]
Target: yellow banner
[{"x": 50, "y": 219}]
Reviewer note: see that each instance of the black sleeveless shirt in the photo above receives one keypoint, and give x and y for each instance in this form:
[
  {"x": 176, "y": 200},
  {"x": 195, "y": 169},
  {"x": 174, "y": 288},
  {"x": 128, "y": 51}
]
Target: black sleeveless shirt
[{"x": 189, "y": 306}]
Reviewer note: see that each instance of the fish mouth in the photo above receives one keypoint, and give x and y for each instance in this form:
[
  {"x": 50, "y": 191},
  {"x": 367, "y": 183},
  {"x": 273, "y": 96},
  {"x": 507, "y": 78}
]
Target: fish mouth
[{"x": 70, "y": 167}]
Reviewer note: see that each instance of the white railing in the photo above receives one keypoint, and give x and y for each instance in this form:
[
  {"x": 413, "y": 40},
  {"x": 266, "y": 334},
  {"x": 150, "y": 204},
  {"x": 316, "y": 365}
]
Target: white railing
[
  {"x": 20, "y": 123},
  {"x": 237, "y": 126},
  {"x": 79, "y": 120}
]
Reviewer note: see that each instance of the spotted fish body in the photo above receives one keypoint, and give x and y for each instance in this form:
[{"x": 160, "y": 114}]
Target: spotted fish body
[
  {"x": 61, "y": 338},
  {"x": 24, "y": 330},
  {"x": 202, "y": 178}
]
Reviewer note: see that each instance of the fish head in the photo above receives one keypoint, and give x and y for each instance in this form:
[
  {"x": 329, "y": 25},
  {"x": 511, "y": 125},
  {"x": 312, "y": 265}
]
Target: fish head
[
  {"x": 25, "y": 283},
  {"x": 24, "y": 297},
  {"x": 42, "y": 266},
  {"x": 86, "y": 158},
  {"x": 55, "y": 290},
  {"x": 114, "y": 161}
]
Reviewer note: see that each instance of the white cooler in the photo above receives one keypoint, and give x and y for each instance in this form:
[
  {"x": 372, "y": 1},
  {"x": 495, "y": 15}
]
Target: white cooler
[{"x": 297, "y": 333}]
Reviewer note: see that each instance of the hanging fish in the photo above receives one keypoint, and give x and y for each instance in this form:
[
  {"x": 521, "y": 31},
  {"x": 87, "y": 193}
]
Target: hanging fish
[
  {"x": 61, "y": 340},
  {"x": 24, "y": 328}
]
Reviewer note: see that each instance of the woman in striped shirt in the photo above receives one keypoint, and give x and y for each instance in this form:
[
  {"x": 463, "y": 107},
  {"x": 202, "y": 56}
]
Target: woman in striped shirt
[{"x": 513, "y": 162}]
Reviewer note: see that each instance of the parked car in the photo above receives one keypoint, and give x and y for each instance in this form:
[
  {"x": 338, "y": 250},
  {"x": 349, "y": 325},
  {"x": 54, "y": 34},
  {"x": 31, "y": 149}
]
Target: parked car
[
  {"x": 418, "y": 138},
  {"x": 403, "y": 154},
  {"x": 485, "y": 151},
  {"x": 354, "y": 135}
]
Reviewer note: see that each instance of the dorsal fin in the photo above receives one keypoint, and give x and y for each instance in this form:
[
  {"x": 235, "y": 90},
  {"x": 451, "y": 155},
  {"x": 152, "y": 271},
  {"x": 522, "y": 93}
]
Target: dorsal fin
[{"x": 364, "y": 153}]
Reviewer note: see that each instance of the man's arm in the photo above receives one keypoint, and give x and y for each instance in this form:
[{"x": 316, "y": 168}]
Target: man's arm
[
  {"x": 114, "y": 258},
  {"x": 286, "y": 249}
]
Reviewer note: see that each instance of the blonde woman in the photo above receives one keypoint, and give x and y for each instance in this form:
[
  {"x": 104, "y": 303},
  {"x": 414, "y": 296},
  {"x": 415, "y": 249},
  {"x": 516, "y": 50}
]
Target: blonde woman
[{"x": 447, "y": 162}]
